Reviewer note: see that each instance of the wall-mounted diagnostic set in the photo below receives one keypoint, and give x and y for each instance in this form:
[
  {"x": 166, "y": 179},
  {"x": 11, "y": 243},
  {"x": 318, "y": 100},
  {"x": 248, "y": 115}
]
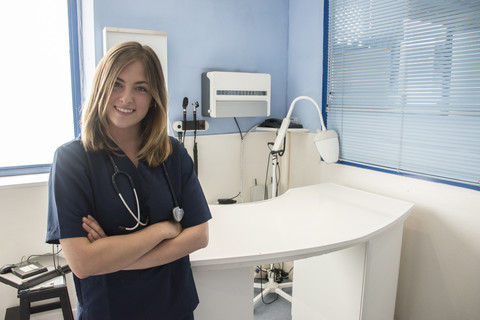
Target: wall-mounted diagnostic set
[{"x": 235, "y": 94}]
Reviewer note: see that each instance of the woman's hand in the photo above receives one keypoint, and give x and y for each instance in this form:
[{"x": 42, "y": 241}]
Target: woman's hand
[
  {"x": 93, "y": 228},
  {"x": 173, "y": 228},
  {"x": 95, "y": 231}
]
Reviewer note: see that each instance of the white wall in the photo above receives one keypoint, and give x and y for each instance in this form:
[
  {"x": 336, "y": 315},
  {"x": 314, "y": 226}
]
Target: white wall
[
  {"x": 440, "y": 265},
  {"x": 439, "y": 272},
  {"x": 220, "y": 158},
  {"x": 24, "y": 221}
]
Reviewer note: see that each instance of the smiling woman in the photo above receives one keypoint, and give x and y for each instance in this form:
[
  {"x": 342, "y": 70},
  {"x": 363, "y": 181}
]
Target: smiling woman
[
  {"x": 129, "y": 103},
  {"x": 37, "y": 113},
  {"x": 126, "y": 269}
]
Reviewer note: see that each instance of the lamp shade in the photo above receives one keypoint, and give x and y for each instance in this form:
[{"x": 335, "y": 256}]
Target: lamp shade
[{"x": 327, "y": 145}]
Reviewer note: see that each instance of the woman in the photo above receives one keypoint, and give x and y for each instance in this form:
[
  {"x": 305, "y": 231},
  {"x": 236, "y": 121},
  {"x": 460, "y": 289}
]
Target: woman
[{"x": 111, "y": 201}]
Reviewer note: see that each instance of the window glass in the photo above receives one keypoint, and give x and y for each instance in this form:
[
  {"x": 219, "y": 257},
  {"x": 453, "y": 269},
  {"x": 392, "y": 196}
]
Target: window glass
[
  {"x": 35, "y": 86},
  {"x": 403, "y": 86}
]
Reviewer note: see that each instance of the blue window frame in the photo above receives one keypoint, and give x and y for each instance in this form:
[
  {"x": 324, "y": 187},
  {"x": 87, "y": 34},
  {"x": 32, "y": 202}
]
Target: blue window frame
[{"x": 75, "y": 64}]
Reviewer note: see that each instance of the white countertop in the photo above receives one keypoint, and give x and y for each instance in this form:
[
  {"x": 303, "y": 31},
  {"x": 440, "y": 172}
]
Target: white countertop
[{"x": 303, "y": 222}]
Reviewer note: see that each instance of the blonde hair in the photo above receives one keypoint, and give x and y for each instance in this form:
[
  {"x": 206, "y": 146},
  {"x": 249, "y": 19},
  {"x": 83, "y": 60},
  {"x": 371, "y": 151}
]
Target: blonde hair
[{"x": 155, "y": 146}]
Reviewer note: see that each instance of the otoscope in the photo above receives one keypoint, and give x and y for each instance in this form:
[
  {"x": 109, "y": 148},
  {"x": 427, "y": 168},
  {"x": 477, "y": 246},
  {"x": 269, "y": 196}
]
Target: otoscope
[
  {"x": 184, "y": 122},
  {"x": 195, "y": 123}
]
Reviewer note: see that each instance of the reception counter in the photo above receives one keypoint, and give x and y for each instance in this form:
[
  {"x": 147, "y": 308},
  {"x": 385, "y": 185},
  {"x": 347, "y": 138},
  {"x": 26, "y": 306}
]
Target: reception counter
[{"x": 345, "y": 242}]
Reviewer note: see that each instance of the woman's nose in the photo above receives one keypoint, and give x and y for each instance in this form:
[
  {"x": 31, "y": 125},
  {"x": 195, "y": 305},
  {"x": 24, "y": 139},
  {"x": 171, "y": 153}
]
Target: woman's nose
[{"x": 126, "y": 97}]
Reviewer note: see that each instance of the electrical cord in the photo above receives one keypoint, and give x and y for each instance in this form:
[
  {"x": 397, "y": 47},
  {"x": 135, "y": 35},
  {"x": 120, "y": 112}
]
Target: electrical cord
[
  {"x": 270, "y": 145},
  {"x": 195, "y": 148},
  {"x": 55, "y": 254},
  {"x": 228, "y": 200},
  {"x": 261, "y": 290},
  {"x": 238, "y": 126},
  {"x": 279, "y": 276},
  {"x": 242, "y": 148},
  {"x": 265, "y": 195},
  {"x": 278, "y": 176}
]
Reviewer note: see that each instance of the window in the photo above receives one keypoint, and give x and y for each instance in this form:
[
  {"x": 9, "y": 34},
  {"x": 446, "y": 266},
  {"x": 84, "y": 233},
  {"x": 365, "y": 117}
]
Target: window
[
  {"x": 36, "y": 90},
  {"x": 403, "y": 86}
]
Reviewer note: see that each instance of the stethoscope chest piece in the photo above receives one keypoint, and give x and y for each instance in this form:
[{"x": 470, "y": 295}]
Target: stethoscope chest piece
[{"x": 177, "y": 214}]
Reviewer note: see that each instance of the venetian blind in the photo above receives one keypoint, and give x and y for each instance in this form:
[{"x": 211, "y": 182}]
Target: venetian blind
[{"x": 403, "y": 86}]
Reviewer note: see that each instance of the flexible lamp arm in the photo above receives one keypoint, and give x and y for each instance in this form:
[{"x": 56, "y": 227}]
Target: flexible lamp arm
[{"x": 286, "y": 122}]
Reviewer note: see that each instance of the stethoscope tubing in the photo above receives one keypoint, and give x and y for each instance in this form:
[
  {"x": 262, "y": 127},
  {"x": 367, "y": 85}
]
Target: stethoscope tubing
[
  {"x": 177, "y": 212},
  {"x": 137, "y": 217}
]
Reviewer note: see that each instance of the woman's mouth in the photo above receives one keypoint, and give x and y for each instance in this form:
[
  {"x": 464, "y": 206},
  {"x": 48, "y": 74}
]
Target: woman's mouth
[{"x": 124, "y": 110}]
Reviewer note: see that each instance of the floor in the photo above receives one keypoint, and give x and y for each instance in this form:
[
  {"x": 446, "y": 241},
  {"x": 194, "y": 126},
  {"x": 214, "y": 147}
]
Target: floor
[{"x": 274, "y": 308}]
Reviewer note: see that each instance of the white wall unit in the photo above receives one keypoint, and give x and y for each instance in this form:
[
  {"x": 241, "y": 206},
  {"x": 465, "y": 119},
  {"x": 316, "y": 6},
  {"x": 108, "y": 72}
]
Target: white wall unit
[{"x": 235, "y": 94}]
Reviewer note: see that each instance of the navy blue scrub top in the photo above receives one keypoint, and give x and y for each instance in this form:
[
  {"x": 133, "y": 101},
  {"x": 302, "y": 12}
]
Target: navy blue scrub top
[{"x": 81, "y": 183}]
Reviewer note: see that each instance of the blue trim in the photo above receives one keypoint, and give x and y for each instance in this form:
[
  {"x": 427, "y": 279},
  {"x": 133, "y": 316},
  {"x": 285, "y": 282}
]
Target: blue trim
[
  {"x": 325, "y": 62},
  {"x": 412, "y": 175},
  {"x": 74, "y": 64},
  {"x": 22, "y": 170}
]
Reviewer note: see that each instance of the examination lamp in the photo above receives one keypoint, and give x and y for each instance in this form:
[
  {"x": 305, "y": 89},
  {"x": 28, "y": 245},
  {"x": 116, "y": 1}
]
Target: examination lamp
[{"x": 325, "y": 140}]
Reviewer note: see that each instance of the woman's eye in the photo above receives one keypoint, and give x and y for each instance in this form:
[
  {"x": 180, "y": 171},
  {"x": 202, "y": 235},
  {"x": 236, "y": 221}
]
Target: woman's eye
[
  {"x": 142, "y": 89},
  {"x": 117, "y": 84}
]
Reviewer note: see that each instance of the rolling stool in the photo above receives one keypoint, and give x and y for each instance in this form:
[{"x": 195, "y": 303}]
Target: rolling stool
[{"x": 27, "y": 297}]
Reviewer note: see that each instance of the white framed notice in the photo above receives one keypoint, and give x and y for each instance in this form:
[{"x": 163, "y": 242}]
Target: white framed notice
[{"x": 157, "y": 40}]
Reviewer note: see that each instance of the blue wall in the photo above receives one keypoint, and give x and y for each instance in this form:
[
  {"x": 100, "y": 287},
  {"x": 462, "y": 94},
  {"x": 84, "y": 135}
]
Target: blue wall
[
  {"x": 305, "y": 59},
  {"x": 247, "y": 35}
]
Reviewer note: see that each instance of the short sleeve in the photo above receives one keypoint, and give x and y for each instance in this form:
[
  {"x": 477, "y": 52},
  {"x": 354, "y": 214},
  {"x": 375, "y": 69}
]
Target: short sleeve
[{"x": 69, "y": 193}]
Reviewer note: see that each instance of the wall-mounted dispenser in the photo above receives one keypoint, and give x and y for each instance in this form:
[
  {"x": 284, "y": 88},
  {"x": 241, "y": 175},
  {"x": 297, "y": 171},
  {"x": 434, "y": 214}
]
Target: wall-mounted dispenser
[{"x": 235, "y": 94}]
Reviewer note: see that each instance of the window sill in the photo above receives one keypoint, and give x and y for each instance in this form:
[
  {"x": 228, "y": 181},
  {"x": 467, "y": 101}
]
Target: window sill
[{"x": 23, "y": 181}]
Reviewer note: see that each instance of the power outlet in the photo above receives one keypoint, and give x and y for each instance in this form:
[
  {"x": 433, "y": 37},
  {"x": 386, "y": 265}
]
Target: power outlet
[{"x": 190, "y": 125}]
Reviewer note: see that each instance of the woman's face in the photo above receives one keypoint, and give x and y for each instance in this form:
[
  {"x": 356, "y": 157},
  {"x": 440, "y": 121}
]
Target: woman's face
[{"x": 130, "y": 100}]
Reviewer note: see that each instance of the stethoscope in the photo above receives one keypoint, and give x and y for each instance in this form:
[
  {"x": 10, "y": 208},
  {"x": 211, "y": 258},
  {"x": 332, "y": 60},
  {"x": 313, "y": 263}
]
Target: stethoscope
[{"x": 177, "y": 212}]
